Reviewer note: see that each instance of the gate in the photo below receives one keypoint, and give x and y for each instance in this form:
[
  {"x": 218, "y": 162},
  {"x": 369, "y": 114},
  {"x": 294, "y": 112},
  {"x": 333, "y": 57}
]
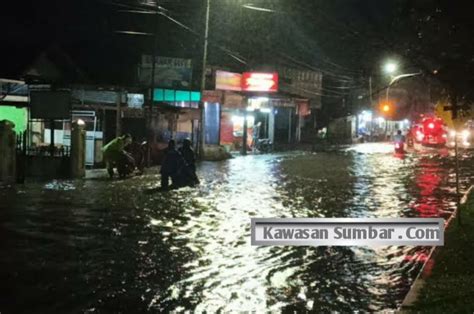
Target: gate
[
  {"x": 20, "y": 157},
  {"x": 40, "y": 161}
]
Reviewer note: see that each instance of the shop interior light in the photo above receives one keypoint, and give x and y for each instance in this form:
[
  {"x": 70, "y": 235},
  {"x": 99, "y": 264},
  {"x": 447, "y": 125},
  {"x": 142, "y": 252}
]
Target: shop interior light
[
  {"x": 365, "y": 115},
  {"x": 237, "y": 119},
  {"x": 266, "y": 110},
  {"x": 240, "y": 120}
]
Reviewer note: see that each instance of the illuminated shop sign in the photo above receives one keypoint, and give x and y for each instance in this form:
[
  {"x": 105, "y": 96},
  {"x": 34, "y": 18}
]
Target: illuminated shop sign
[
  {"x": 228, "y": 81},
  {"x": 177, "y": 98},
  {"x": 259, "y": 82},
  {"x": 171, "y": 95}
]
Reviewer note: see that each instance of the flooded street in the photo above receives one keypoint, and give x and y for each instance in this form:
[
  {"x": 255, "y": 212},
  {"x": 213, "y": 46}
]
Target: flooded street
[{"x": 100, "y": 246}]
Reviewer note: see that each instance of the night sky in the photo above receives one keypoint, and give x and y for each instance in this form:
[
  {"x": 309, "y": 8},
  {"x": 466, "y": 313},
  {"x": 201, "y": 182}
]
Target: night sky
[{"x": 346, "y": 40}]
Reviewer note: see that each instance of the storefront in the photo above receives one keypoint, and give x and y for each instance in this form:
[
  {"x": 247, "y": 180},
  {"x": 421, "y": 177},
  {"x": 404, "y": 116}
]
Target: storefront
[
  {"x": 244, "y": 102},
  {"x": 105, "y": 114},
  {"x": 231, "y": 117},
  {"x": 252, "y": 99},
  {"x": 133, "y": 117},
  {"x": 175, "y": 115}
]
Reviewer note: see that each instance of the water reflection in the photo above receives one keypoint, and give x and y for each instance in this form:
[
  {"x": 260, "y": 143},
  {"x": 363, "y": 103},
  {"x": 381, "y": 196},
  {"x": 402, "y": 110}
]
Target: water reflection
[{"x": 102, "y": 246}]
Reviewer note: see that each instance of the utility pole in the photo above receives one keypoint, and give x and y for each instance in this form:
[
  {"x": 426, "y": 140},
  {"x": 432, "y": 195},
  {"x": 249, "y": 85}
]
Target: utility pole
[
  {"x": 202, "y": 138},
  {"x": 370, "y": 92},
  {"x": 454, "y": 108},
  {"x": 395, "y": 79},
  {"x": 457, "y": 176},
  {"x": 118, "y": 116},
  {"x": 244, "y": 135},
  {"x": 454, "y": 115},
  {"x": 149, "y": 110}
]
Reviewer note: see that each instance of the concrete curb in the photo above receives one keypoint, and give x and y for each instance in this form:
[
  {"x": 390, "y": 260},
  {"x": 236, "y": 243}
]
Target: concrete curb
[{"x": 420, "y": 279}]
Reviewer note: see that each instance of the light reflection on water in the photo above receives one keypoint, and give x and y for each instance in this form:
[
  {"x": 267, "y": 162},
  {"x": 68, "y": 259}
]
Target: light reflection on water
[{"x": 123, "y": 249}]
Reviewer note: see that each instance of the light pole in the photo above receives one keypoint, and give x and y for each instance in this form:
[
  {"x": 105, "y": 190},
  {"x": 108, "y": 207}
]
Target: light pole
[
  {"x": 149, "y": 105},
  {"x": 395, "y": 79},
  {"x": 202, "y": 137}
]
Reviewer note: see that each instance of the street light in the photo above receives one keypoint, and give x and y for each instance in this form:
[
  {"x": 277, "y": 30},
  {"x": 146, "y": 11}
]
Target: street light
[
  {"x": 396, "y": 78},
  {"x": 390, "y": 67}
]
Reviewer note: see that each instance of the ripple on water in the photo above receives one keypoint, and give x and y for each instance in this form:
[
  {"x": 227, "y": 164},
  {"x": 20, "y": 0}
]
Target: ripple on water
[{"x": 190, "y": 249}]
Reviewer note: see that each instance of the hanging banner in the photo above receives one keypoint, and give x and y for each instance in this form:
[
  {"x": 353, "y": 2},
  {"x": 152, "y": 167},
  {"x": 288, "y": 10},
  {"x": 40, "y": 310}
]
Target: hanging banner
[
  {"x": 259, "y": 82},
  {"x": 94, "y": 96}
]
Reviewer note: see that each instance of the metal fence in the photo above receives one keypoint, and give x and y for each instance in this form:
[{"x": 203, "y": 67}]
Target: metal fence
[{"x": 26, "y": 149}]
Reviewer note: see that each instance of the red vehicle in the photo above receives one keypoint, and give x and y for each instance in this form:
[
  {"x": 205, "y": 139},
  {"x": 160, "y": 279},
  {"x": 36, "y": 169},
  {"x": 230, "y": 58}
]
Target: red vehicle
[{"x": 429, "y": 131}]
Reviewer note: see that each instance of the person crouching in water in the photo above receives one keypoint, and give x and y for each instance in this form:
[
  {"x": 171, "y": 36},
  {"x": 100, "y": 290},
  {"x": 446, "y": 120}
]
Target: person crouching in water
[
  {"x": 170, "y": 166},
  {"x": 189, "y": 169},
  {"x": 114, "y": 152}
]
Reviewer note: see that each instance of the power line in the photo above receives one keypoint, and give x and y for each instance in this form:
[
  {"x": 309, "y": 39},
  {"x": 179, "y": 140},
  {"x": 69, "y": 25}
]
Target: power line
[
  {"x": 327, "y": 92},
  {"x": 160, "y": 10},
  {"x": 342, "y": 78},
  {"x": 226, "y": 50},
  {"x": 336, "y": 67}
]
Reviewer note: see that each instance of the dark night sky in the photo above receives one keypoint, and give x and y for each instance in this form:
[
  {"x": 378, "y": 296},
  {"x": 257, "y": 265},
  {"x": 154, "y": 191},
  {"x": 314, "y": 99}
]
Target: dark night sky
[{"x": 341, "y": 37}]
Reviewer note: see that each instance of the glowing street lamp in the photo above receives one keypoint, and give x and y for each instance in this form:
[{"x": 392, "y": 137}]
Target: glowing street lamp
[{"x": 390, "y": 67}]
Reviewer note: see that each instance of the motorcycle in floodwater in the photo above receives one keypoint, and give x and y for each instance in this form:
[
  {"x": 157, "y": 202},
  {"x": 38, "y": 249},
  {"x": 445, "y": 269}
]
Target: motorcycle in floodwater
[
  {"x": 399, "y": 147},
  {"x": 264, "y": 145},
  {"x": 125, "y": 165},
  {"x": 134, "y": 157}
]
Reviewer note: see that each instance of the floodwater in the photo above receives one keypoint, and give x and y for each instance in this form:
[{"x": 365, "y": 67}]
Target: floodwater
[{"x": 102, "y": 246}]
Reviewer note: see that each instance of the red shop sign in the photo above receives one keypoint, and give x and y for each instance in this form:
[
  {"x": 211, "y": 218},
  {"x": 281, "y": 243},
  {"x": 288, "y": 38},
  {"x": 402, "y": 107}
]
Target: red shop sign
[{"x": 259, "y": 82}]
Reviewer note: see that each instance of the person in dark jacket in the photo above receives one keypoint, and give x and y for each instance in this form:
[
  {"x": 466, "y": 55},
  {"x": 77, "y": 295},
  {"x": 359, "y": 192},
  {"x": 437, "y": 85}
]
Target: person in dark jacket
[
  {"x": 171, "y": 165},
  {"x": 189, "y": 170}
]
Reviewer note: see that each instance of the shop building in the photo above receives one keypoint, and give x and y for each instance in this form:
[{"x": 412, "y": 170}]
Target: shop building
[{"x": 253, "y": 100}]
